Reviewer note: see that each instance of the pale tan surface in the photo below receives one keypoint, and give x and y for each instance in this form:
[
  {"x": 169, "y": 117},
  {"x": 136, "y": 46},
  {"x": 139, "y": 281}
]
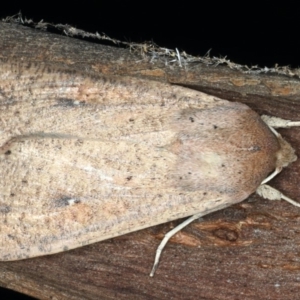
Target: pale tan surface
[{"x": 85, "y": 158}]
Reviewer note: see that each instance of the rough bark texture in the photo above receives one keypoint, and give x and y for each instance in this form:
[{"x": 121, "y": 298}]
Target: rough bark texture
[{"x": 247, "y": 251}]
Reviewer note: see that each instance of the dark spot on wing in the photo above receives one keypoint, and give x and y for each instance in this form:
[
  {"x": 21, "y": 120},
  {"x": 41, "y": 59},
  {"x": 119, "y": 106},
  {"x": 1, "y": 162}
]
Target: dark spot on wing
[
  {"x": 69, "y": 103},
  {"x": 65, "y": 201},
  {"x": 4, "y": 209}
]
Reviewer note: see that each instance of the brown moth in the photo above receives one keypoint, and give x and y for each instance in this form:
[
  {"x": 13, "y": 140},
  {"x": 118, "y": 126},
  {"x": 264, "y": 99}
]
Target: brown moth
[{"x": 85, "y": 157}]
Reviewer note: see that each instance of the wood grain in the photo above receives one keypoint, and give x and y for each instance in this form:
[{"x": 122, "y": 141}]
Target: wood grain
[{"x": 247, "y": 251}]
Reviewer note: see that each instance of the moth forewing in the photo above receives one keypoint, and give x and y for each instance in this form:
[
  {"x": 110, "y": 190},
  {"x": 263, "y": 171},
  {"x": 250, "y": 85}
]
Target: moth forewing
[{"x": 86, "y": 157}]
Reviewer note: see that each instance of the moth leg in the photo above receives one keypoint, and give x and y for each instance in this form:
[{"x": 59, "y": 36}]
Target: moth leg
[
  {"x": 168, "y": 235},
  {"x": 275, "y": 122},
  {"x": 267, "y": 192}
]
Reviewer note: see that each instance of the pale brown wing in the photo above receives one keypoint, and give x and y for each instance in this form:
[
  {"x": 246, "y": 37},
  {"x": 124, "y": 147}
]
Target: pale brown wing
[{"x": 85, "y": 158}]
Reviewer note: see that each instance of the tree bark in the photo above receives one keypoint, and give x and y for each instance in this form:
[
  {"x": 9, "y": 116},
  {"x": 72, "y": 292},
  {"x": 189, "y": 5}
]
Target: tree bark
[{"x": 247, "y": 251}]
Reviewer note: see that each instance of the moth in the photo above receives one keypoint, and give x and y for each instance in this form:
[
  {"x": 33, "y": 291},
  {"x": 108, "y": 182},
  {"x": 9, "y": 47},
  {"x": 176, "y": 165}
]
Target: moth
[{"x": 87, "y": 157}]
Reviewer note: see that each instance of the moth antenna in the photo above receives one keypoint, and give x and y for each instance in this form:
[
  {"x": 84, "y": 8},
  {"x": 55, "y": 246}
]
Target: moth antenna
[
  {"x": 272, "y": 175},
  {"x": 172, "y": 232},
  {"x": 168, "y": 235}
]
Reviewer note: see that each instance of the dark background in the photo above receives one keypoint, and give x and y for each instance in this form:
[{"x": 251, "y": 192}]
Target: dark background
[
  {"x": 247, "y": 33},
  {"x": 252, "y": 33}
]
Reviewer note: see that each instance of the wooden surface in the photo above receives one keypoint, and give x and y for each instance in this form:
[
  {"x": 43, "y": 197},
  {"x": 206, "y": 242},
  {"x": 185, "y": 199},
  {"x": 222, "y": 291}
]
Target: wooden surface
[{"x": 247, "y": 251}]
